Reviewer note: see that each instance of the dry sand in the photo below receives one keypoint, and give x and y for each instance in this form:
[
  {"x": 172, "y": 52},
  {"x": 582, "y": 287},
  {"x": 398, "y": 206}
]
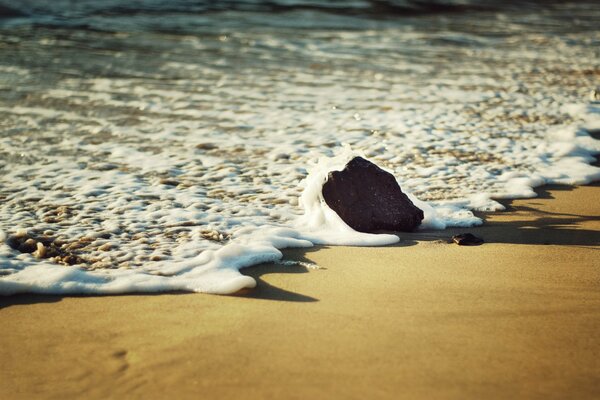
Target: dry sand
[{"x": 517, "y": 317}]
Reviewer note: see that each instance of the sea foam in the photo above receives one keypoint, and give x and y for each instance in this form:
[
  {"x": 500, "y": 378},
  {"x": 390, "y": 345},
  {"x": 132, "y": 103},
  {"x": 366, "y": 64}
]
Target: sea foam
[
  {"x": 173, "y": 172},
  {"x": 211, "y": 271},
  {"x": 217, "y": 271}
]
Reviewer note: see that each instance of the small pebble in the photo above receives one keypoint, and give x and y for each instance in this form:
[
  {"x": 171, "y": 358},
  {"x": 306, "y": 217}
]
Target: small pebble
[
  {"x": 41, "y": 250},
  {"x": 206, "y": 146},
  {"x": 467, "y": 239},
  {"x": 105, "y": 247},
  {"x": 29, "y": 246},
  {"x": 169, "y": 182}
]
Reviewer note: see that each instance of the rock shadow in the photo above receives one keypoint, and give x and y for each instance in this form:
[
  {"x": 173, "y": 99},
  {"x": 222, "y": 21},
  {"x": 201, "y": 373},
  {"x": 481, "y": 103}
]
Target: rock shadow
[
  {"x": 538, "y": 226},
  {"x": 266, "y": 291},
  {"x": 34, "y": 298},
  {"x": 26, "y": 298}
]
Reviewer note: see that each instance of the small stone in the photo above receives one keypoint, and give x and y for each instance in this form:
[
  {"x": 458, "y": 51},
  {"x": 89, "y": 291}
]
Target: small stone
[
  {"x": 71, "y": 260},
  {"x": 21, "y": 233},
  {"x": 41, "y": 250},
  {"x": 51, "y": 252},
  {"x": 105, "y": 247},
  {"x": 169, "y": 182},
  {"x": 105, "y": 166},
  {"x": 29, "y": 246},
  {"x": 188, "y": 223},
  {"x": 206, "y": 146},
  {"x": 280, "y": 156},
  {"x": 467, "y": 239}
]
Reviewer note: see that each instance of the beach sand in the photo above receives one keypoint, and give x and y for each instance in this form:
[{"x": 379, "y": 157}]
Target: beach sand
[{"x": 517, "y": 317}]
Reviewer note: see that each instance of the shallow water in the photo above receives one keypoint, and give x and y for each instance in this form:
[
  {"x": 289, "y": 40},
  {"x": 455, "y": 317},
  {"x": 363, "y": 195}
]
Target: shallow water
[{"x": 145, "y": 137}]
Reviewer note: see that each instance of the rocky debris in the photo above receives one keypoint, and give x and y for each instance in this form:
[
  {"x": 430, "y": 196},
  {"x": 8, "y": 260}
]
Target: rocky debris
[
  {"x": 467, "y": 239},
  {"x": 57, "y": 214},
  {"x": 214, "y": 235},
  {"x": 369, "y": 199},
  {"x": 46, "y": 247}
]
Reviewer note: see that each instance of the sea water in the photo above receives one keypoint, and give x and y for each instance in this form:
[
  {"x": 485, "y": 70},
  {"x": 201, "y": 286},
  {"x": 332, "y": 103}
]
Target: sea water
[{"x": 165, "y": 145}]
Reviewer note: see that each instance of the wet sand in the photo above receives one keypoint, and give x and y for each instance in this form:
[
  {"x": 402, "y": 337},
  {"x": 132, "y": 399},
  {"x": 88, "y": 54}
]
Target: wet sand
[{"x": 517, "y": 317}]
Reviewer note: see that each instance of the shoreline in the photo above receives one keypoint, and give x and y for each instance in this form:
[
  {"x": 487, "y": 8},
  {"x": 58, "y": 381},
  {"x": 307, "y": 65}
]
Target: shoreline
[
  {"x": 151, "y": 161},
  {"x": 516, "y": 316}
]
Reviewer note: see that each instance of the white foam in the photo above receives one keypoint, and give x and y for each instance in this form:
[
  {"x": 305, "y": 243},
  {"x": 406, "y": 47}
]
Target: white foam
[
  {"x": 176, "y": 183},
  {"x": 211, "y": 269}
]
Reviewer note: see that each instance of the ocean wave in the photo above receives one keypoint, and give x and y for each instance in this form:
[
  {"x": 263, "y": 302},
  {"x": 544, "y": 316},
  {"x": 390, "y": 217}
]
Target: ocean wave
[{"x": 64, "y": 12}]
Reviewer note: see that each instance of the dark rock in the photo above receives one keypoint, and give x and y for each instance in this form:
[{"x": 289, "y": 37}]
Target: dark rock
[
  {"x": 28, "y": 246},
  {"x": 467, "y": 239},
  {"x": 206, "y": 146},
  {"x": 369, "y": 199},
  {"x": 13, "y": 242},
  {"x": 71, "y": 260},
  {"x": 44, "y": 246},
  {"x": 22, "y": 242},
  {"x": 169, "y": 182}
]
